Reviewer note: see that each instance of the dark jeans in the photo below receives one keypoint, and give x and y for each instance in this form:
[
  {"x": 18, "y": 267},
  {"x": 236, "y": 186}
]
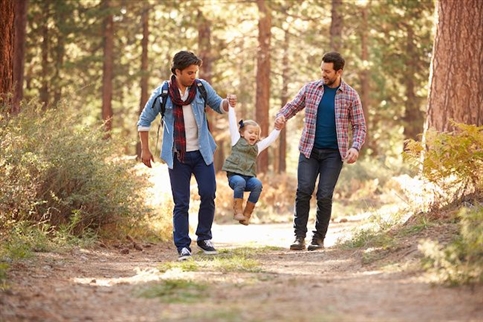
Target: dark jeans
[
  {"x": 325, "y": 164},
  {"x": 180, "y": 178}
]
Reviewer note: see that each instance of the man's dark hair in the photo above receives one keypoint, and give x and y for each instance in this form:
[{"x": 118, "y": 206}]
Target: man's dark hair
[
  {"x": 184, "y": 59},
  {"x": 334, "y": 57}
]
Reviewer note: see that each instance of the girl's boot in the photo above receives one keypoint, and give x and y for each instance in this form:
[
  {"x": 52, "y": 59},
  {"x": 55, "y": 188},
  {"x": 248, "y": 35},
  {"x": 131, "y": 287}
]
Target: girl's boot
[
  {"x": 247, "y": 213},
  {"x": 238, "y": 209}
]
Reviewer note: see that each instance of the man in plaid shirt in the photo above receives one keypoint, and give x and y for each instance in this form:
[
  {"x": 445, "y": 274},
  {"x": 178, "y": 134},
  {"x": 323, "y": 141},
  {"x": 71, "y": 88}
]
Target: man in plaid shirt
[{"x": 331, "y": 106}]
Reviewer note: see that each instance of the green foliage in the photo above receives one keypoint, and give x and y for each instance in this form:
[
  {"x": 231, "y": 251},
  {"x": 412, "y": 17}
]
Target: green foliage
[
  {"x": 421, "y": 224},
  {"x": 377, "y": 236},
  {"x": 183, "y": 290},
  {"x": 370, "y": 236},
  {"x": 233, "y": 260},
  {"x": 3, "y": 275},
  {"x": 461, "y": 261},
  {"x": 65, "y": 176},
  {"x": 17, "y": 244},
  {"x": 176, "y": 291},
  {"x": 451, "y": 161}
]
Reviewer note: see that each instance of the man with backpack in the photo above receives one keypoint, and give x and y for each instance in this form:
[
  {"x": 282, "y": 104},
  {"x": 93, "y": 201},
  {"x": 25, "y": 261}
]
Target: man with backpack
[{"x": 188, "y": 146}]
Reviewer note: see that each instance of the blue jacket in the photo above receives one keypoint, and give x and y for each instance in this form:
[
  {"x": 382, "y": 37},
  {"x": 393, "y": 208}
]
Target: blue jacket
[{"x": 207, "y": 143}]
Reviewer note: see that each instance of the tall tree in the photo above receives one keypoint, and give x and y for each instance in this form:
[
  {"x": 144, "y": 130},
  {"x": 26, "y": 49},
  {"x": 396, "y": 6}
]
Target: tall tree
[
  {"x": 263, "y": 76},
  {"x": 282, "y": 151},
  {"x": 205, "y": 52},
  {"x": 6, "y": 50},
  {"x": 456, "y": 90},
  {"x": 107, "y": 71},
  {"x": 336, "y": 25},
  {"x": 364, "y": 75},
  {"x": 44, "y": 57},
  {"x": 19, "y": 53},
  {"x": 144, "y": 65}
]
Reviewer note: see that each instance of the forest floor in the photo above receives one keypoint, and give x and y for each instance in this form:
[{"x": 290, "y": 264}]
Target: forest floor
[{"x": 334, "y": 284}]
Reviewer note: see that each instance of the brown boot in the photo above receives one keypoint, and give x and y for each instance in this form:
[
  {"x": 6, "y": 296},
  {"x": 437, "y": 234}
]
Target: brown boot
[
  {"x": 247, "y": 213},
  {"x": 238, "y": 209}
]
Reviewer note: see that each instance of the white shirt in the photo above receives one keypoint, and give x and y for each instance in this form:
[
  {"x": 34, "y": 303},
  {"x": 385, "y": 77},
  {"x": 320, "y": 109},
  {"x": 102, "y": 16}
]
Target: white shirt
[{"x": 191, "y": 128}]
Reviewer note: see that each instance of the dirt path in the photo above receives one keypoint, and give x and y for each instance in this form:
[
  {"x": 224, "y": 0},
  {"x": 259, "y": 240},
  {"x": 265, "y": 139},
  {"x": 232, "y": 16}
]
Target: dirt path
[{"x": 330, "y": 285}]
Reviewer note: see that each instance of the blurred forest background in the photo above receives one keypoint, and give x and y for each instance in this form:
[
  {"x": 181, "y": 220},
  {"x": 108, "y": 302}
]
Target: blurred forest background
[
  {"x": 75, "y": 75},
  {"x": 105, "y": 57}
]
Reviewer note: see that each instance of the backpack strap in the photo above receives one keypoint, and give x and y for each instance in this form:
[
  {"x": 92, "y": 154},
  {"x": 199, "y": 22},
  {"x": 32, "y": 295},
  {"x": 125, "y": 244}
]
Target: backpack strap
[
  {"x": 202, "y": 90},
  {"x": 203, "y": 93},
  {"x": 164, "y": 96}
]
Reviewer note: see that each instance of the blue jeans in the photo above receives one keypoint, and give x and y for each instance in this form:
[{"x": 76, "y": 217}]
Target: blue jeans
[
  {"x": 325, "y": 164},
  {"x": 180, "y": 178},
  {"x": 240, "y": 184}
]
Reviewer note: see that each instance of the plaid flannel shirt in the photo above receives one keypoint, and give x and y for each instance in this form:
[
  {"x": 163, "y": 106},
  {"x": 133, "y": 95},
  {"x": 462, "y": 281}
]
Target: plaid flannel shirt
[{"x": 348, "y": 110}]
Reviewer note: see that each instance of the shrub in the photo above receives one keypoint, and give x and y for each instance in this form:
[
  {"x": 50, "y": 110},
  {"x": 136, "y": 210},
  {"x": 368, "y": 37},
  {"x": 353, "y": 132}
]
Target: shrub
[
  {"x": 63, "y": 174},
  {"x": 461, "y": 261},
  {"x": 451, "y": 161},
  {"x": 453, "y": 164}
]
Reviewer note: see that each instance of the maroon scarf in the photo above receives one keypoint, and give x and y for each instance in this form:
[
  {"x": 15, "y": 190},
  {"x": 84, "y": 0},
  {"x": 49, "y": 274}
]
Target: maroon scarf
[{"x": 179, "y": 128}]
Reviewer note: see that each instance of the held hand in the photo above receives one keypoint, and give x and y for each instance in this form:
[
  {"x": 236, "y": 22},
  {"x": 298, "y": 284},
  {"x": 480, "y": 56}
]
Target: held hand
[
  {"x": 146, "y": 158},
  {"x": 351, "y": 156},
  {"x": 231, "y": 99},
  {"x": 280, "y": 122}
]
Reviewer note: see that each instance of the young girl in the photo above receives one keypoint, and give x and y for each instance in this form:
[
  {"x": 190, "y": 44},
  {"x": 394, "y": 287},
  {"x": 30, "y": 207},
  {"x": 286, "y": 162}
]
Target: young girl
[{"x": 240, "y": 166}]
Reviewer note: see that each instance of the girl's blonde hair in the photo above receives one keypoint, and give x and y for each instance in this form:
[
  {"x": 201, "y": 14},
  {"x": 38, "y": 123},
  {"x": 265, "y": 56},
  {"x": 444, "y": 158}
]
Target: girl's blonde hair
[{"x": 243, "y": 123}]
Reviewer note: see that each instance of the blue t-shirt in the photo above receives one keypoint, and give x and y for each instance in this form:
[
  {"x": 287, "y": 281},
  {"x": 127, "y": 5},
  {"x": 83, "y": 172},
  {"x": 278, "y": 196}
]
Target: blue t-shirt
[{"x": 325, "y": 132}]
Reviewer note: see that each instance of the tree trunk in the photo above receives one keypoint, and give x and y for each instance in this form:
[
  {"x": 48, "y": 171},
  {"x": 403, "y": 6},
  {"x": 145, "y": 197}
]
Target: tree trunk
[
  {"x": 58, "y": 53},
  {"x": 107, "y": 73},
  {"x": 263, "y": 77},
  {"x": 282, "y": 145},
  {"x": 456, "y": 83},
  {"x": 6, "y": 50},
  {"x": 45, "y": 48},
  {"x": 365, "y": 78},
  {"x": 336, "y": 26},
  {"x": 206, "y": 72},
  {"x": 19, "y": 56},
  {"x": 144, "y": 66}
]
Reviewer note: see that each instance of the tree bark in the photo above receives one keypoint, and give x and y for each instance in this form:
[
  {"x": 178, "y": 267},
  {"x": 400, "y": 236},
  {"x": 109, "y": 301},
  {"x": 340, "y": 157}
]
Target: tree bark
[
  {"x": 6, "y": 51},
  {"x": 45, "y": 48},
  {"x": 263, "y": 77},
  {"x": 107, "y": 73},
  {"x": 19, "y": 50},
  {"x": 456, "y": 81},
  {"x": 336, "y": 26}
]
